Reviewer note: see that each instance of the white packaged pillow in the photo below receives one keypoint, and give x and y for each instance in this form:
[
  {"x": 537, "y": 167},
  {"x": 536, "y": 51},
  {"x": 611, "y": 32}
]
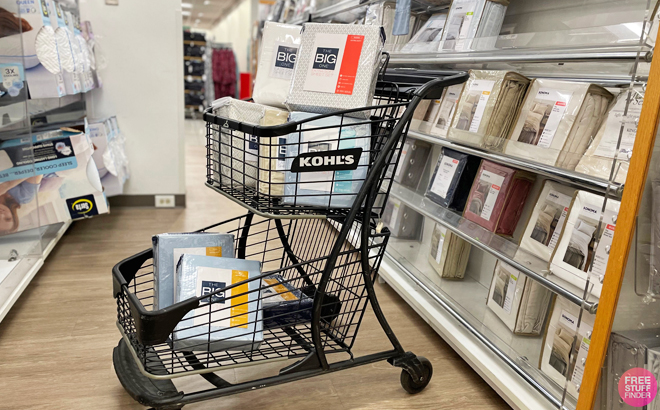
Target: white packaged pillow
[
  {"x": 279, "y": 47},
  {"x": 46, "y": 47},
  {"x": 576, "y": 247}
]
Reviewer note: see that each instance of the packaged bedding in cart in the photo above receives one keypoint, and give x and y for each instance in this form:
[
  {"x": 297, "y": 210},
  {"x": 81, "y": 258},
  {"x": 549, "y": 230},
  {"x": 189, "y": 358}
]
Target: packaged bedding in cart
[
  {"x": 168, "y": 248},
  {"x": 228, "y": 320},
  {"x": 284, "y": 304},
  {"x": 320, "y": 143}
]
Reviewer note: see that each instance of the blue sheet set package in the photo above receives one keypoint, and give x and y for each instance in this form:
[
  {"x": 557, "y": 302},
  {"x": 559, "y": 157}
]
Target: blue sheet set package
[
  {"x": 232, "y": 321},
  {"x": 284, "y": 304},
  {"x": 168, "y": 248}
]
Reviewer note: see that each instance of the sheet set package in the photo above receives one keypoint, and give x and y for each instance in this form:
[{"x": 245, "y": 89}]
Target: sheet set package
[
  {"x": 521, "y": 303},
  {"x": 449, "y": 253},
  {"x": 577, "y": 245},
  {"x": 314, "y": 188},
  {"x": 440, "y": 113},
  {"x": 403, "y": 221},
  {"x": 487, "y": 108},
  {"x": 558, "y": 121},
  {"x": 599, "y": 157},
  {"x": 560, "y": 339},
  {"x": 284, "y": 304},
  {"x": 230, "y": 323},
  {"x": 429, "y": 36},
  {"x": 452, "y": 179},
  {"x": 272, "y": 151},
  {"x": 412, "y": 162},
  {"x": 628, "y": 350},
  {"x": 548, "y": 220},
  {"x": 497, "y": 197},
  {"x": 167, "y": 250},
  {"x": 279, "y": 47},
  {"x": 336, "y": 69},
  {"x": 473, "y": 19},
  {"x": 238, "y": 153},
  {"x": 382, "y": 14}
]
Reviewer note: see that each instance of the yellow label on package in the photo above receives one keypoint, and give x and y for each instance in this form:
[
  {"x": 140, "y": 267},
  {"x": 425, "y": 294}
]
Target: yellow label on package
[{"x": 239, "y": 304}]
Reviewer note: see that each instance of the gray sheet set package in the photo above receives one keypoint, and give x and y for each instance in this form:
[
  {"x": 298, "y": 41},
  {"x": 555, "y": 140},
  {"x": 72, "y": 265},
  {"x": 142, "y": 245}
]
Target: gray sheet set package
[
  {"x": 412, "y": 162},
  {"x": 403, "y": 221}
]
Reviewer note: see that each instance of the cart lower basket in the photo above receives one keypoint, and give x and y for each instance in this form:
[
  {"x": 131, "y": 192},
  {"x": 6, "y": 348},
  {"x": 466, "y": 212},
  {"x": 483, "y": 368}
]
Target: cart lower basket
[{"x": 330, "y": 293}]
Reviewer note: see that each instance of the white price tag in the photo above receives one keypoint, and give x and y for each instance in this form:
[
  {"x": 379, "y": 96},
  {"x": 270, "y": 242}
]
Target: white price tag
[
  {"x": 603, "y": 251},
  {"x": 564, "y": 201},
  {"x": 10, "y": 74},
  {"x": 559, "y": 100},
  {"x": 583, "y": 352},
  {"x": 484, "y": 87},
  {"x": 510, "y": 292},
  {"x": 444, "y": 175},
  {"x": 495, "y": 181},
  {"x": 468, "y": 9}
]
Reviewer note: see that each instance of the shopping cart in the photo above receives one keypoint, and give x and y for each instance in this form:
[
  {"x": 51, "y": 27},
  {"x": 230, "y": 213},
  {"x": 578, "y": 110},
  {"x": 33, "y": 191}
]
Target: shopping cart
[{"x": 320, "y": 257}]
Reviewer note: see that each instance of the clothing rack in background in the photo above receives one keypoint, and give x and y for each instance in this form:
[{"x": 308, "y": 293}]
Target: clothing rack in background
[{"x": 224, "y": 69}]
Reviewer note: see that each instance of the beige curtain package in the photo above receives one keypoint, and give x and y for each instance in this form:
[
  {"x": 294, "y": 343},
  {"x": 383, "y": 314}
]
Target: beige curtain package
[{"x": 449, "y": 253}]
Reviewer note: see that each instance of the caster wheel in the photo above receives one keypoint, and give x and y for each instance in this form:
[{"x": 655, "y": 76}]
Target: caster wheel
[{"x": 409, "y": 384}]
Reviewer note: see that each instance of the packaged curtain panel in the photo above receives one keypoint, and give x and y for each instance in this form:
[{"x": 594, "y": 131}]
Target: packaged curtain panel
[
  {"x": 168, "y": 249},
  {"x": 334, "y": 189},
  {"x": 440, "y": 113},
  {"x": 584, "y": 240},
  {"x": 336, "y": 69},
  {"x": 567, "y": 335},
  {"x": 412, "y": 162},
  {"x": 47, "y": 179},
  {"x": 449, "y": 254},
  {"x": 520, "y": 302},
  {"x": 235, "y": 154},
  {"x": 382, "y": 14},
  {"x": 473, "y": 24},
  {"x": 548, "y": 220},
  {"x": 272, "y": 159},
  {"x": 487, "y": 108},
  {"x": 497, "y": 197},
  {"x": 279, "y": 47},
  {"x": 599, "y": 157},
  {"x": 558, "y": 121},
  {"x": 429, "y": 36},
  {"x": 284, "y": 304},
  {"x": 630, "y": 349},
  {"x": 452, "y": 179},
  {"x": 403, "y": 221},
  {"x": 227, "y": 320}
]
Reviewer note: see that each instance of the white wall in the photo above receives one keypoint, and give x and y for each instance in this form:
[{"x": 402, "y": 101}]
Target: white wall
[
  {"x": 143, "y": 85},
  {"x": 236, "y": 28}
]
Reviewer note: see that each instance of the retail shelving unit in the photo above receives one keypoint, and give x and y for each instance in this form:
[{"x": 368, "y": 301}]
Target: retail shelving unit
[{"x": 196, "y": 66}]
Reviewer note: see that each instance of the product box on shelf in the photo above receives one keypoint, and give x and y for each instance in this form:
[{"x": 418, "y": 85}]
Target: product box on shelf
[
  {"x": 440, "y": 113},
  {"x": 449, "y": 253},
  {"x": 54, "y": 181},
  {"x": 228, "y": 320},
  {"x": 520, "y": 302},
  {"x": 429, "y": 36},
  {"x": 473, "y": 24},
  {"x": 412, "y": 162},
  {"x": 403, "y": 221},
  {"x": 451, "y": 181}
]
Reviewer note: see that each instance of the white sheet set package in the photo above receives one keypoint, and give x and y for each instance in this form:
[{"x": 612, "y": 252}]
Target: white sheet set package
[
  {"x": 470, "y": 19},
  {"x": 567, "y": 335},
  {"x": 558, "y": 121},
  {"x": 429, "y": 36},
  {"x": 336, "y": 68},
  {"x": 168, "y": 248},
  {"x": 547, "y": 222},
  {"x": 520, "y": 302},
  {"x": 315, "y": 188},
  {"x": 576, "y": 248},
  {"x": 599, "y": 157},
  {"x": 229, "y": 320},
  {"x": 279, "y": 47},
  {"x": 238, "y": 155},
  {"x": 440, "y": 113},
  {"x": 449, "y": 253}
]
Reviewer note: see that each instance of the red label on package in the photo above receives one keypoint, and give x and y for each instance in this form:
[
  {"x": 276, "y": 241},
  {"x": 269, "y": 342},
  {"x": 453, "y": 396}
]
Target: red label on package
[{"x": 349, "y": 65}]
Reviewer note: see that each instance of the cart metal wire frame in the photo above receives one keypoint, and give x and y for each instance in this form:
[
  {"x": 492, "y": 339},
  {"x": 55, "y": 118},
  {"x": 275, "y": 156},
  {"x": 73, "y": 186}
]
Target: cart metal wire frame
[{"x": 333, "y": 289}]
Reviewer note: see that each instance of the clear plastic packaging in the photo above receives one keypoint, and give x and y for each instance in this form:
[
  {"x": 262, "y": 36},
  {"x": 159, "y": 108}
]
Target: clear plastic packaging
[
  {"x": 440, "y": 114},
  {"x": 429, "y": 36},
  {"x": 469, "y": 19},
  {"x": 403, "y": 221},
  {"x": 272, "y": 160},
  {"x": 412, "y": 162},
  {"x": 449, "y": 253},
  {"x": 452, "y": 179},
  {"x": 279, "y": 47}
]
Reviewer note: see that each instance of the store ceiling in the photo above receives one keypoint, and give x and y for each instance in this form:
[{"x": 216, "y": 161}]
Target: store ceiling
[{"x": 205, "y": 13}]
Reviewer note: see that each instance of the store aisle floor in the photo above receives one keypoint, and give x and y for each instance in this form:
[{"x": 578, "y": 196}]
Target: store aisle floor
[{"x": 56, "y": 343}]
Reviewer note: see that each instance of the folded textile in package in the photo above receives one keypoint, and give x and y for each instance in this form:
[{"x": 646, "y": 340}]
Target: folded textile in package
[
  {"x": 383, "y": 14},
  {"x": 577, "y": 246},
  {"x": 412, "y": 162},
  {"x": 449, "y": 253},
  {"x": 452, "y": 179},
  {"x": 272, "y": 159},
  {"x": 440, "y": 113},
  {"x": 547, "y": 222},
  {"x": 471, "y": 20},
  {"x": 284, "y": 304},
  {"x": 429, "y": 36},
  {"x": 568, "y": 334},
  {"x": 598, "y": 159},
  {"x": 237, "y": 153},
  {"x": 521, "y": 303},
  {"x": 403, "y": 221},
  {"x": 279, "y": 47},
  {"x": 488, "y": 107},
  {"x": 226, "y": 320},
  {"x": 167, "y": 250},
  {"x": 336, "y": 68},
  {"x": 334, "y": 189},
  {"x": 558, "y": 121},
  {"x": 497, "y": 197}
]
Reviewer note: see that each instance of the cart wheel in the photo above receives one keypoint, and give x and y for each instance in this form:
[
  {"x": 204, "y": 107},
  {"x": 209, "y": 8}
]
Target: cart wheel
[{"x": 409, "y": 384}]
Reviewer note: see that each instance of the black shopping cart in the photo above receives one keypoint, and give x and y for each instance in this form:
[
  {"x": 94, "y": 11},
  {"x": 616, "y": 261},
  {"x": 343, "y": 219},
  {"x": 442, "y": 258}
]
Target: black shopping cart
[{"x": 319, "y": 257}]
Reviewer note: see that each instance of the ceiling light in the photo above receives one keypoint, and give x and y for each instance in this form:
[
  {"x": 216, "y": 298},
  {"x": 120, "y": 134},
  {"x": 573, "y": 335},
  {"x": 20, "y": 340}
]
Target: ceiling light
[
  {"x": 186, "y": 5},
  {"x": 197, "y": 21},
  {"x": 200, "y": 14},
  {"x": 207, "y": 2},
  {"x": 185, "y": 13}
]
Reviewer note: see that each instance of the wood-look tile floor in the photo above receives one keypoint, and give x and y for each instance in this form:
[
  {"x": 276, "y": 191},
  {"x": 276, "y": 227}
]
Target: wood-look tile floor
[{"x": 56, "y": 343}]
